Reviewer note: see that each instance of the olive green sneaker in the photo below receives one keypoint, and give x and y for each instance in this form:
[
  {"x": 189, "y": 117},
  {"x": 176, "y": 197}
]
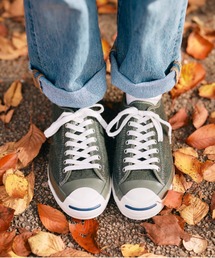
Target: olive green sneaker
[
  {"x": 143, "y": 168},
  {"x": 78, "y": 172}
]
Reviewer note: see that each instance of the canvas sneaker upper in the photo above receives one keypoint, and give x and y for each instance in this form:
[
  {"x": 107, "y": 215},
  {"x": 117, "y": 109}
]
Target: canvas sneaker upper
[
  {"x": 78, "y": 165},
  {"x": 143, "y": 168}
]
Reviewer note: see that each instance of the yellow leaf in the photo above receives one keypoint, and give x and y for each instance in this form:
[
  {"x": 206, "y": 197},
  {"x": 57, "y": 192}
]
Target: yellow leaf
[
  {"x": 19, "y": 40},
  {"x": 6, "y": 118},
  {"x": 188, "y": 165},
  {"x": 194, "y": 210},
  {"x": 45, "y": 244},
  {"x": 70, "y": 252},
  {"x": 16, "y": 186},
  {"x": 13, "y": 96},
  {"x": 196, "y": 244},
  {"x": 207, "y": 91},
  {"x": 133, "y": 250}
]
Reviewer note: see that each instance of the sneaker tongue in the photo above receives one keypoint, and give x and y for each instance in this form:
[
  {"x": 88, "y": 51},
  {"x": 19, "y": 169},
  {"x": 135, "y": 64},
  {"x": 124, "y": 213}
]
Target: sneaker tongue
[{"x": 141, "y": 105}]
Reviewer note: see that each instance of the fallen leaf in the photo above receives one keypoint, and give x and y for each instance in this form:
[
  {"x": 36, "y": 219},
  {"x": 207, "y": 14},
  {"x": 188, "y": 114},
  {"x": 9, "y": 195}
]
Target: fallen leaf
[
  {"x": 16, "y": 185},
  {"x": 6, "y": 216},
  {"x": 191, "y": 74},
  {"x": 173, "y": 199},
  {"x": 107, "y": 9},
  {"x": 188, "y": 165},
  {"x": 207, "y": 91},
  {"x": 196, "y": 244},
  {"x": 8, "y": 161},
  {"x": 20, "y": 244},
  {"x": 70, "y": 252},
  {"x": 101, "y": 2},
  {"x": 6, "y": 118},
  {"x": 15, "y": 8},
  {"x": 166, "y": 230},
  {"x": 200, "y": 114},
  {"x": 84, "y": 234},
  {"x": 210, "y": 152},
  {"x": 53, "y": 219},
  {"x": 106, "y": 48},
  {"x": 198, "y": 46},
  {"x": 45, "y": 244},
  {"x": 193, "y": 209},
  {"x": 177, "y": 184},
  {"x": 202, "y": 137},
  {"x": 13, "y": 96},
  {"x": 179, "y": 119},
  {"x": 152, "y": 255},
  {"x": 6, "y": 240},
  {"x": 3, "y": 30},
  {"x": 212, "y": 205},
  {"x": 131, "y": 250},
  {"x": 189, "y": 151},
  {"x": 19, "y": 40},
  {"x": 29, "y": 145},
  {"x": 208, "y": 171},
  {"x": 3, "y": 108},
  {"x": 212, "y": 118}
]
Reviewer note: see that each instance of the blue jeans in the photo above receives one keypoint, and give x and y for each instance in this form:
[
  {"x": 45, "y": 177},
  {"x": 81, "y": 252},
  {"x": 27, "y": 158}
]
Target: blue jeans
[{"x": 66, "y": 55}]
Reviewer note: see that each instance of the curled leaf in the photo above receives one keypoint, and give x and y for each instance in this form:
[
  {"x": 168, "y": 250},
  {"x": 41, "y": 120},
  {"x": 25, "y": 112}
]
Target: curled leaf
[
  {"x": 202, "y": 137},
  {"x": 84, "y": 234},
  {"x": 200, "y": 114},
  {"x": 45, "y": 244},
  {"x": 13, "y": 96},
  {"x": 198, "y": 46},
  {"x": 6, "y": 216},
  {"x": 20, "y": 244},
  {"x": 207, "y": 91},
  {"x": 189, "y": 165},
  {"x": 193, "y": 209},
  {"x": 53, "y": 219},
  {"x": 179, "y": 119},
  {"x": 131, "y": 250},
  {"x": 191, "y": 74},
  {"x": 196, "y": 244}
]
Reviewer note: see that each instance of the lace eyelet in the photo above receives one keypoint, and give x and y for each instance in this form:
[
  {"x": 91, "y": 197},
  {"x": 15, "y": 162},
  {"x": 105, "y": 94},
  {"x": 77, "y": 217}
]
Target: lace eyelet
[
  {"x": 128, "y": 133},
  {"x": 100, "y": 167},
  {"x": 97, "y": 148},
  {"x": 64, "y": 162},
  {"x": 95, "y": 139},
  {"x": 124, "y": 160},
  {"x": 93, "y": 130},
  {"x": 125, "y": 151},
  {"x": 126, "y": 142},
  {"x": 157, "y": 150},
  {"x": 65, "y": 153},
  {"x": 129, "y": 123},
  {"x": 158, "y": 169},
  {"x": 99, "y": 157},
  {"x": 155, "y": 142},
  {"x": 123, "y": 170},
  {"x": 159, "y": 160},
  {"x": 64, "y": 171}
]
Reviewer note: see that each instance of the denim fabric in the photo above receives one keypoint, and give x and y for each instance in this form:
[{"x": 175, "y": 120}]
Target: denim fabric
[{"x": 66, "y": 55}]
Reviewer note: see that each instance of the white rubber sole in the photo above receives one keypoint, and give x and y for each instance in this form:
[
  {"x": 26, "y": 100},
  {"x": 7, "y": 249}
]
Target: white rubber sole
[
  {"x": 139, "y": 204},
  {"x": 83, "y": 203}
]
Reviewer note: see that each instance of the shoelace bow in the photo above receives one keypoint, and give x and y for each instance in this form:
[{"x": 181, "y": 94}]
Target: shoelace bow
[
  {"x": 143, "y": 153},
  {"x": 79, "y": 139}
]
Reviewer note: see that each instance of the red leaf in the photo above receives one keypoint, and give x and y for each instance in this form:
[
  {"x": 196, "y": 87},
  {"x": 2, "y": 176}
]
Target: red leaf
[
  {"x": 6, "y": 239},
  {"x": 200, "y": 114},
  {"x": 8, "y": 161},
  {"x": 173, "y": 199},
  {"x": 84, "y": 233},
  {"x": 202, "y": 137},
  {"x": 179, "y": 119},
  {"x": 20, "y": 244},
  {"x": 53, "y": 219},
  {"x": 6, "y": 216}
]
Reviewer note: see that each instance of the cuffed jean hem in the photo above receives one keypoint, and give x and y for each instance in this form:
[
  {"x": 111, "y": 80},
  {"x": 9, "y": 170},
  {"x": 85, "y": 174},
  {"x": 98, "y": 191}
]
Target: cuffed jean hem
[
  {"x": 92, "y": 92},
  {"x": 144, "y": 89}
]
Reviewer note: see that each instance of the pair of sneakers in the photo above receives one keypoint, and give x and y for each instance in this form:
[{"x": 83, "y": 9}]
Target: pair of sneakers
[{"x": 142, "y": 170}]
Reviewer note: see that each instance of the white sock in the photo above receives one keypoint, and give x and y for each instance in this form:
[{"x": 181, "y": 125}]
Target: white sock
[{"x": 153, "y": 100}]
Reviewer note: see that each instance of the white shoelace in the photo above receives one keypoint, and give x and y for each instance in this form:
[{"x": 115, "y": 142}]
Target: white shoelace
[
  {"x": 142, "y": 155},
  {"x": 79, "y": 139}
]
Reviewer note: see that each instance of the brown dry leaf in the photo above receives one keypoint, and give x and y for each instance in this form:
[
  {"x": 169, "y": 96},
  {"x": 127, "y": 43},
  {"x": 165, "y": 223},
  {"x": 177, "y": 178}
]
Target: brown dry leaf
[
  {"x": 3, "y": 108},
  {"x": 208, "y": 171},
  {"x": 188, "y": 165},
  {"x": 29, "y": 145},
  {"x": 191, "y": 74},
  {"x": 207, "y": 91},
  {"x": 196, "y": 244},
  {"x": 179, "y": 119},
  {"x": 84, "y": 233},
  {"x": 106, "y": 48},
  {"x": 13, "y": 96},
  {"x": 101, "y": 2},
  {"x": 6, "y": 118},
  {"x": 210, "y": 152},
  {"x": 107, "y": 9},
  {"x": 20, "y": 244},
  {"x": 212, "y": 205},
  {"x": 202, "y": 137},
  {"x": 133, "y": 250},
  {"x": 212, "y": 118},
  {"x": 200, "y": 114},
  {"x": 16, "y": 185},
  {"x": 173, "y": 199},
  {"x": 151, "y": 255},
  {"x": 46, "y": 244},
  {"x": 18, "y": 204},
  {"x": 3, "y": 30},
  {"x": 6, "y": 149},
  {"x": 70, "y": 252},
  {"x": 14, "y": 9},
  {"x": 193, "y": 209},
  {"x": 167, "y": 230},
  {"x": 19, "y": 40},
  {"x": 198, "y": 46},
  {"x": 6, "y": 240},
  {"x": 8, "y": 161},
  {"x": 6, "y": 216},
  {"x": 53, "y": 219}
]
